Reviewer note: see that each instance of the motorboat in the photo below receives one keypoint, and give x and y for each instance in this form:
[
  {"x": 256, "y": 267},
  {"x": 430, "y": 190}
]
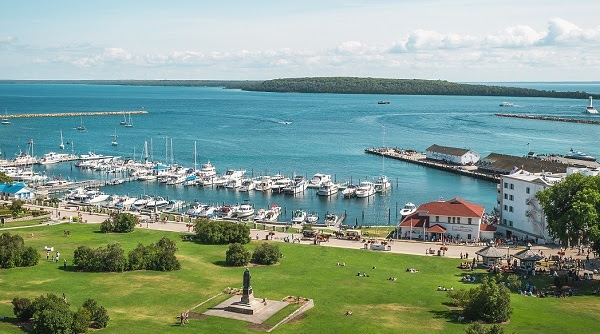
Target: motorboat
[
  {"x": 506, "y": 104},
  {"x": 331, "y": 219},
  {"x": 208, "y": 170},
  {"x": 98, "y": 198},
  {"x": 225, "y": 212},
  {"x": 318, "y": 179},
  {"x": 327, "y": 189},
  {"x": 408, "y": 209},
  {"x": 266, "y": 183},
  {"x": 234, "y": 183},
  {"x": 142, "y": 201},
  {"x": 365, "y": 189},
  {"x": 247, "y": 185},
  {"x": 350, "y": 191},
  {"x": 579, "y": 156},
  {"x": 157, "y": 203},
  {"x": 312, "y": 218},
  {"x": 383, "y": 102},
  {"x": 207, "y": 211},
  {"x": 280, "y": 185},
  {"x": 382, "y": 184},
  {"x": 245, "y": 210},
  {"x": 590, "y": 109},
  {"x": 52, "y": 158},
  {"x": 272, "y": 214},
  {"x": 298, "y": 217},
  {"x": 5, "y": 119},
  {"x": 260, "y": 215},
  {"x": 176, "y": 179},
  {"x": 299, "y": 185}
]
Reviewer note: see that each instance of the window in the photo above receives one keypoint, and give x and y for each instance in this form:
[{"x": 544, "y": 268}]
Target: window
[
  {"x": 470, "y": 220},
  {"x": 510, "y": 209},
  {"x": 504, "y": 221},
  {"x": 505, "y": 185},
  {"x": 512, "y": 186},
  {"x": 437, "y": 219},
  {"x": 510, "y": 223},
  {"x": 469, "y": 236},
  {"x": 527, "y": 190},
  {"x": 505, "y": 207},
  {"x": 505, "y": 196},
  {"x": 458, "y": 220},
  {"x": 449, "y": 220},
  {"x": 511, "y": 197}
]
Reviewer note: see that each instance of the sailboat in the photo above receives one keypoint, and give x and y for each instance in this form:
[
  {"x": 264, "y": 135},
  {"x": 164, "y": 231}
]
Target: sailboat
[
  {"x": 124, "y": 121},
  {"x": 129, "y": 124},
  {"x": 5, "y": 119},
  {"x": 114, "y": 142},
  {"x": 81, "y": 128},
  {"x": 382, "y": 184},
  {"x": 590, "y": 109},
  {"x": 62, "y": 144}
]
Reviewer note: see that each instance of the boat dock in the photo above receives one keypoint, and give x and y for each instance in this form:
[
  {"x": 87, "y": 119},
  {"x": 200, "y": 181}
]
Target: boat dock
[
  {"x": 550, "y": 118},
  {"x": 70, "y": 185},
  {"x": 78, "y": 114},
  {"x": 420, "y": 159}
]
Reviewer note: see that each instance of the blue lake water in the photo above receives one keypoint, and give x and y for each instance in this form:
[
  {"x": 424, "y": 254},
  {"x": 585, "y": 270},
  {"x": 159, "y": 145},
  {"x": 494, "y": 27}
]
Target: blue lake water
[{"x": 328, "y": 134}]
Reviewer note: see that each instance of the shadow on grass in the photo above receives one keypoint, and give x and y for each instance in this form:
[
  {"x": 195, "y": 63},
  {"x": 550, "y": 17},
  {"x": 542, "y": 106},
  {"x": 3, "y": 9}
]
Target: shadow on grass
[
  {"x": 17, "y": 324},
  {"x": 68, "y": 268},
  {"x": 451, "y": 315}
]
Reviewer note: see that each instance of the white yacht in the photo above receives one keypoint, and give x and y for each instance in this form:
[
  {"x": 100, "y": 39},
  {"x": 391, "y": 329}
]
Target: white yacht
[
  {"x": 225, "y": 212},
  {"x": 590, "y": 109},
  {"x": 350, "y": 191},
  {"x": 327, "y": 189},
  {"x": 280, "y": 185},
  {"x": 234, "y": 183},
  {"x": 506, "y": 104},
  {"x": 409, "y": 208},
  {"x": 318, "y": 179},
  {"x": 312, "y": 218},
  {"x": 298, "y": 217},
  {"x": 245, "y": 210},
  {"x": 382, "y": 184},
  {"x": 260, "y": 215},
  {"x": 142, "y": 201},
  {"x": 266, "y": 183},
  {"x": 298, "y": 186},
  {"x": 365, "y": 189},
  {"x": 52, "y": 158},
  {"x": 331, "y": 219},
  {"x": 208, "y": 170},
  {"x": 272, "y": 214},
  {"x": 247, "y": 185}
]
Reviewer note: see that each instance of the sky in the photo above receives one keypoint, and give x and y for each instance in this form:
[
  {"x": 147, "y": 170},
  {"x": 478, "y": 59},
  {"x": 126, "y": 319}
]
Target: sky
[{"x": 456, "y": 40}]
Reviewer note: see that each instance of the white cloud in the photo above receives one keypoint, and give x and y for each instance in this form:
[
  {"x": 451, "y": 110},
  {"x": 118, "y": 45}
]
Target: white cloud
[{"x": 6, "y": 39}]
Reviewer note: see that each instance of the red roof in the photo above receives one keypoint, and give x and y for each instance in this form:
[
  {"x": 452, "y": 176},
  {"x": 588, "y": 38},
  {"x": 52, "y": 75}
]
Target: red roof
[
  {"x": 415, "y": 220},
  {"x": 436, "y": 229},
  {"x": 455, "y": 207},
  {"x": 487, "y": 227}
]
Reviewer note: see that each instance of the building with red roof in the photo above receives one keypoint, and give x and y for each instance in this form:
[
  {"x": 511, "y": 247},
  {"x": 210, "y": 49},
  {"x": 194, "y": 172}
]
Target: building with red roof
[{"x": 455, "y": 218}]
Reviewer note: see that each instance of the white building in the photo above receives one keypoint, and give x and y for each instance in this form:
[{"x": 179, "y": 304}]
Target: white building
[
  {"x": 16, "y": 190},
  {"x": 459, "y": 156},
  {"x": 455, "y": 218},
  {"x": 521, "y": 214}
]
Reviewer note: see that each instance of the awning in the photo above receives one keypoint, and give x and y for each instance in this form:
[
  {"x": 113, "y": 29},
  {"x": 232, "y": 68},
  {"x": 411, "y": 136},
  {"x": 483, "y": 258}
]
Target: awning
[{"x": 436, "y": 229}]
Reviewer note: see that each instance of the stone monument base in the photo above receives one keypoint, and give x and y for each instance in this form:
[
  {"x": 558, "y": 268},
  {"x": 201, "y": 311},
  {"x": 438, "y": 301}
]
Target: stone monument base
[{"x": 252, "y": 306}]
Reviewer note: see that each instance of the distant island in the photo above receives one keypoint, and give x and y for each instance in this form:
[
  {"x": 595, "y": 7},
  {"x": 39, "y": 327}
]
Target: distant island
[{"x": 340, "y": 85}]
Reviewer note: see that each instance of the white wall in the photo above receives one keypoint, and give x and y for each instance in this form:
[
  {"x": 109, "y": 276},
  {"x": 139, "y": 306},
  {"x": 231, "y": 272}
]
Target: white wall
[{"x": 535, "y": 222}]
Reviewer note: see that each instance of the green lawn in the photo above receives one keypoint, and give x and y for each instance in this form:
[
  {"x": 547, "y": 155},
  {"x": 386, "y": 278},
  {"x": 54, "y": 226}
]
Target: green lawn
[
  {"x": 23, "y": 223},
  {"x": 148, "y": 302}
]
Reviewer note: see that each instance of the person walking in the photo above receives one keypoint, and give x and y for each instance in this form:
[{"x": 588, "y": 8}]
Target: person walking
[{"x": 65, "y": 264}]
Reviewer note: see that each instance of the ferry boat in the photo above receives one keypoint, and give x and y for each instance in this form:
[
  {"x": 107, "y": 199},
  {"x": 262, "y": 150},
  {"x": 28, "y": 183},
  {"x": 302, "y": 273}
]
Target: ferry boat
[
  {"x": 579, "y": 156},
  {"x": 506, "y": 104},
  {"x": 327, "y": 189},
  {"x": 590, "y": 109},
  {"x": 409, "y": 208},
  {"x": 382, "y": 184},
  {"x": 365, "y": 189}
]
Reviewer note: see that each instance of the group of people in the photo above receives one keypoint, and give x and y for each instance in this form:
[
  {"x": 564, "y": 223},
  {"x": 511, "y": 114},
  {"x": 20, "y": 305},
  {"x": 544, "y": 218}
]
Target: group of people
[
  {"x": 443, "y": 288},
  {"x": 184, "y": 318},
  {"x": 412, "y": 270},
  {"x": 341, "y": 264},
  {"x": 469, "y": 278}
]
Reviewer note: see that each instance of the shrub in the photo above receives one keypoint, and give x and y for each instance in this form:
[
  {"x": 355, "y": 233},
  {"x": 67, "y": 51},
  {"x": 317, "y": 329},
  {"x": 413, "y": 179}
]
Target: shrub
[
  {"x": 159, "y": 256},
  {"x": 139, "y": 257},
  {"x": 51, "y": 314},
  {"x": 489, "y": 302},
  {"x": 98, "y": 313},
  {"x": 16, "y": 207},
  {"x": 237, "y": 255},
  {"x": 111, "y": 258},
  {"x": 514, "y": 281},
  {"x": 221, "y": 232},
  {"x": 266, "y": 254},
  {"x": 81, "y": 321},
  {"x": 22, "y": 308},
  {"x": 560, "y": 281},
  {"x": 114, "y": 258},
  {"x": 119, "y": 223},
  {"x": 478, "y": 328},
  {"x": 14, "y": 254}
]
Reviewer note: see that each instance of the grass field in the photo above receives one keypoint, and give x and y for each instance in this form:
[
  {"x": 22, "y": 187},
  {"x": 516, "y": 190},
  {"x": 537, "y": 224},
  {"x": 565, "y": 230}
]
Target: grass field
[
  {"x": 23, "y": 223},
  {"x": 148, "y": 302}
]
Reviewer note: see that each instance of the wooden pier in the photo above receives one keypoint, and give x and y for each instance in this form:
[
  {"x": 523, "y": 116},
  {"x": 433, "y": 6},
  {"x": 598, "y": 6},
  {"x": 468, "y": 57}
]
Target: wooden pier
[
  {"x": 419, "y": 159},
  {"x": 70, "y": 185},
  {"x": 550, "y": 118},
  {"x": 78, "y": 114}
]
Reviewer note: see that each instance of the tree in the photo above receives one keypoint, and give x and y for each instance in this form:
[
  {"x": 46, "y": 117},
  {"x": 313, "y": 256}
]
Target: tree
[
  {"x": 514, "y": 281},
  {"x": 51, "y": 314},
  {"x": 22, "y": 308},
  {"x": 81, "y": 321},
  {"x": 16, "y": 207},
  {"x": 139, "y": 257},
  {"x": 266, "y": 254},
  {"x": 560, "y": 281},
  {"x": 14, "y": 254},
  {"x": 572, "y": 209},
  {"x": 489, "y": 302},
  {"x": 114, "y": 258},
  {"x": 221, "y": 232},
  {"x": 478, "y": 328},
  {"x": 5, "y": 178},
  {"x": 237, "y": 255},
  {"x": 98, "y": 313},
  {"x": 119, "y": 223}
]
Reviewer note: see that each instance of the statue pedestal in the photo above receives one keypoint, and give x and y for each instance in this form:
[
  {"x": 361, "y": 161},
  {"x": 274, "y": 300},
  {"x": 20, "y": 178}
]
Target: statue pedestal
[{"x": 247, "y": 304}]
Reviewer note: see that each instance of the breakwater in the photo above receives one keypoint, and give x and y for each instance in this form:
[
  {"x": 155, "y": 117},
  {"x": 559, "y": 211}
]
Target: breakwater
[
  {"x": 550, "y": 118},
  {"x": 420, "y": 159},
  {"x": 78, "y": 114}
]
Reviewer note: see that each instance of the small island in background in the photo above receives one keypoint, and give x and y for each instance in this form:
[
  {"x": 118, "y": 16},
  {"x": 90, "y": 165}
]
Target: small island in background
[{"x": 340, "y": 85}]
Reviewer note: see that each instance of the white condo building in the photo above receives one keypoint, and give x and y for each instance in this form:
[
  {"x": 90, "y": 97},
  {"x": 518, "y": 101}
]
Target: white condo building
[{"x": 521, "y": 214}]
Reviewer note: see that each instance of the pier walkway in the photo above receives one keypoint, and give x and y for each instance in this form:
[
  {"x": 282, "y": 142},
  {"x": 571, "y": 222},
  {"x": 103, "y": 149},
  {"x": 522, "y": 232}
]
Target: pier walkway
[
  {"x": 419, "y": 159},
  {"x": 550, "y": 118},
  {"x": 78, "y": 114}
]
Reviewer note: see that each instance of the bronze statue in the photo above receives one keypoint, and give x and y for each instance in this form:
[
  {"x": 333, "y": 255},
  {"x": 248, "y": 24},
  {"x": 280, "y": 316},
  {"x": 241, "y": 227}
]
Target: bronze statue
[{"x": 247, "y": 278}]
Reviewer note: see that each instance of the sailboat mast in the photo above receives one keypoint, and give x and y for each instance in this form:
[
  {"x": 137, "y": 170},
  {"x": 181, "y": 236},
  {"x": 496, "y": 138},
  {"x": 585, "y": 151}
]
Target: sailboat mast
[
  {"x": 151, "y": 150},
  {"x": 145, "y": 151},
  {"x": 166, "y": 150},
  {"x": 383, "y": 155},
  {"x": 172, "y": 155},
  {"x": 195, "y": 153}
]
